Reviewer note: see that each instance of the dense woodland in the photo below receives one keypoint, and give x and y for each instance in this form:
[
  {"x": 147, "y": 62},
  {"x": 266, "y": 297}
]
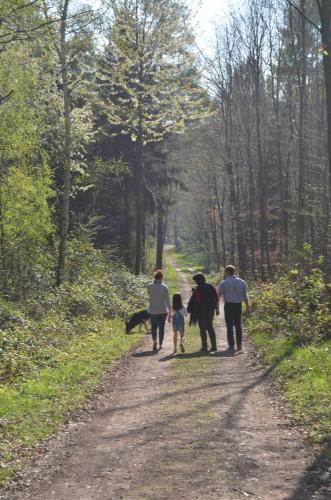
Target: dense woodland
[
  {"x": 113, "y": 119},
  {"x": 258, "y": 169},
  {"x": 88, "y": 97}
]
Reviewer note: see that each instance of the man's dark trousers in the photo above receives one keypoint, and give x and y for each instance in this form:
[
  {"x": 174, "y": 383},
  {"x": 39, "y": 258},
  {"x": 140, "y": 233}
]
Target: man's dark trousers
[
  {"x": 233, "y": 315},
  {"x": 205, "y": 322}
]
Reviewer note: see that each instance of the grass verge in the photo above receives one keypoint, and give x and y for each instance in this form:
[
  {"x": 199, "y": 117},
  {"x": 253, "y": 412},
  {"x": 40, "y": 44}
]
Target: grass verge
[
  {"x": 33, "y": 409},
  {"x": 303, "y": 374},
  {"x": 170, "y": 274}
]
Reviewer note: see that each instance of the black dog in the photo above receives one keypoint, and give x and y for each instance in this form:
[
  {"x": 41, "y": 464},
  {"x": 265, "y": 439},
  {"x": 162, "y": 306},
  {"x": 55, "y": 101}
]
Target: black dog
[{"x": 139, "y": 318}]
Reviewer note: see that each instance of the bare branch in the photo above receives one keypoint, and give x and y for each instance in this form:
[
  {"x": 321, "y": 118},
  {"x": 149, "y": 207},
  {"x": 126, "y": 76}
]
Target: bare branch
[
  {"x": 304, "y": 15},
  {"x": 49, "y": 22},
  {"x": 29, "y": 4}
]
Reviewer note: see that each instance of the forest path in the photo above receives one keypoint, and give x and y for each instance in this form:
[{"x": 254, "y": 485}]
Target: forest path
[{"x": 192, "y": 427}]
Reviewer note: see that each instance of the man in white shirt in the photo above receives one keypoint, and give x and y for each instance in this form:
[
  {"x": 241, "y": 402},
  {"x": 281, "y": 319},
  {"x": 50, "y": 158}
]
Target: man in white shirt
[
  {"x": 234, "y": 292},
  {"x": 159, "y": 307}
]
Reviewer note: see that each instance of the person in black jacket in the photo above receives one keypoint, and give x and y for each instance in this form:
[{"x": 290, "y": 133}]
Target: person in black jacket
[{"x": 202, "y": 306}]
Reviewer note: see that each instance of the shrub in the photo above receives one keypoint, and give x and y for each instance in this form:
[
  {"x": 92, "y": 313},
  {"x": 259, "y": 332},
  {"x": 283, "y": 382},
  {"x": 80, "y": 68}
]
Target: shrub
[
  {"x": 291, "y": 325},
  {"x": 297, "y": 306},
  {"x": 35, "y": 332}
]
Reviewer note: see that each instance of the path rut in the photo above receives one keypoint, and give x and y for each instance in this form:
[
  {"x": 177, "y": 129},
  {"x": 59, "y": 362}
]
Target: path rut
[{"x": 164, "y": 433}]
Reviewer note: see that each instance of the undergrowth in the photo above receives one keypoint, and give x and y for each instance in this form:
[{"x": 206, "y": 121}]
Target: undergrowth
[{"x": 291, "y": 324}]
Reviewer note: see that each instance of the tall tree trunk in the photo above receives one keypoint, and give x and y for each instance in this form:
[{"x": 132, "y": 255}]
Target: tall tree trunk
[
  {"x": 213, "y": 228},
  {"x": 280, "y": 161},
  {"x": 301, "y": 217},
  {"x": 325, "y": 15},
  {"x": 160, "y": 227},
  {"x": 251, "y": 195},
  {"x": 242, "y": 257},
  {"x": 67, "y": 148},
  {"x": 220, "y": 209},
  {"x": 126, "y": 223},
  {"x": 264, "y": 243},
  {"x": 139, "y": 185}
]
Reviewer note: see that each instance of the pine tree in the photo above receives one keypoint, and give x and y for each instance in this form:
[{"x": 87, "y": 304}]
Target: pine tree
[{"x": 151, "y": 76}]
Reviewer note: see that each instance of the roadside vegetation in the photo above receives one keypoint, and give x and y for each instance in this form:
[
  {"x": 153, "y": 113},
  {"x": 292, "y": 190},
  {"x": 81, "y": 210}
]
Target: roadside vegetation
[
  {"x": 56, "y": 343},
  {"x": 291, "y": 325}
]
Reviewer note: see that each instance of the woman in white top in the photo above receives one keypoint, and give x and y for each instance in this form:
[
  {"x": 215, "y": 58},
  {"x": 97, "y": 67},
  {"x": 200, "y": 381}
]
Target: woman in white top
[{"x": 159, "y": 307}]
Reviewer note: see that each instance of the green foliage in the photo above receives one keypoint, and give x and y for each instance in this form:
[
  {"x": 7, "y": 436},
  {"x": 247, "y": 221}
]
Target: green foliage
[
  {"x": 299, "y": 306},
  {"x": 291, "y": 325},
  {"x": 35, "y": 332},
  {"x": 19, "y": 119},
  {"x": 150, "y": 70},
  {"x": 26, "y": 226}
]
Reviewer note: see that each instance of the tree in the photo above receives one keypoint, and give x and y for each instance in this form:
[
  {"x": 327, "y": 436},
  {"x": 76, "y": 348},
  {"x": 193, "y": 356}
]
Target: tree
[
  {"x": 152, "y": 82},
  {"x": 26, "y": 226},
  {"x": 265, "y": 148},
  {"x": 72, "y": 26},
  {"x": 324, "y": 7}
]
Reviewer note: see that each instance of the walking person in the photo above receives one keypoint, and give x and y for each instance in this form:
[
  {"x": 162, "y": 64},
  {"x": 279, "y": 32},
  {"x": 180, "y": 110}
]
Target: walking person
[
  {"x": 203, "y": 305},
  {"x": 178, "y": 321},
  {"x": 234, "y": 292},
  {"x": 159, "y": 307}
]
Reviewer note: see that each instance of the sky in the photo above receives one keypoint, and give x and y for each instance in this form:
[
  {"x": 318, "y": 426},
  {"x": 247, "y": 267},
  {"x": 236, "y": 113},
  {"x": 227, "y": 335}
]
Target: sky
[{"x": 206, "y": 13}]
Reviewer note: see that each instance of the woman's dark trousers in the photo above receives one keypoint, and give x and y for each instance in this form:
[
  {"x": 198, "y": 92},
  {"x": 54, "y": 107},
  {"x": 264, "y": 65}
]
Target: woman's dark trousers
[
  {"x": 158, "y": 322},
  {"x": 233, "y": 316},
  {"x": 205, "y": 322}
]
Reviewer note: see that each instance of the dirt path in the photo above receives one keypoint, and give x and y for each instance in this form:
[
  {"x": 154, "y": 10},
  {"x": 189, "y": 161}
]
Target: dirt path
[{"x": 195, "y": 427}]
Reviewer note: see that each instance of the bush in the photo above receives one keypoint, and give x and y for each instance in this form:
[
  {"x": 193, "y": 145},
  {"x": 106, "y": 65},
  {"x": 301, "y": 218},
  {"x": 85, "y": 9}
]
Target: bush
[
  {"x": 35, "y": 332},
  {"x": 291, "y": 325},
  {"x": 296, "y": 306}
]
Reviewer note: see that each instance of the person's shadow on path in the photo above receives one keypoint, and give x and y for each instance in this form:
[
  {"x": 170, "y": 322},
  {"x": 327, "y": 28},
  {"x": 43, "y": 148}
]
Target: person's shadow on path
[
  {"x": 185, "y": 355},
  {"x": 143, "y": 354}
]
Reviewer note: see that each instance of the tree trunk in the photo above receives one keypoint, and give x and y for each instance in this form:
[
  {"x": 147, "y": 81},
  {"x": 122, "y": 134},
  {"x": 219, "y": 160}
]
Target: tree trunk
[
  {"x": 67, "y": 148},
  {"x": 325, "y": 14},
  {"x": 251, "y": 195},
  {"x": 213, "y": 228},
  {"x": 264, "y": 243},
  {"x": 139, "y": 185},
  {"x": 220, "y": 209},
  {"x": 301, "y": 217},
  {"x": 242, "y": 257},
  {"x": 159, "y": 238}
]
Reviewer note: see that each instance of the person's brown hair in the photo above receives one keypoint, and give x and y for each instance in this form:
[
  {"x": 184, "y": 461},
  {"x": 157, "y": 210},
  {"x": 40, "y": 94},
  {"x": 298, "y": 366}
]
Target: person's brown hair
[
  {"x": 230, "y": 269},
  {"x": 177, "y": 302},
  {"x": 158, "y": 275}
]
